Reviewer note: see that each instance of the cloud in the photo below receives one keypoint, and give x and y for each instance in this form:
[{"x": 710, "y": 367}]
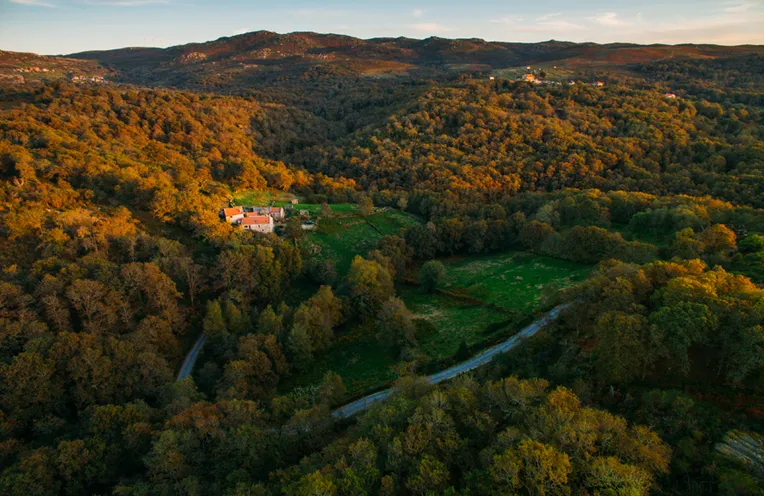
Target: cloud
[
  {"x": 510, "y": 20},
  {"x": 731, "y": 23},
  {"x": 322, "y": 13},
  {"x": 609, "y": 19},
  {"x": 549, "y": 23},
  {"x": 417, "y": 13},
  {"x": 125, "y": 3},
  {"x": 429, "y": 27},
  {"x": 34, "y": 3},
  {"x": 547, "y": 17},
  {"x": 556, "y": 25},
  {"x": 736, "y": 8}
]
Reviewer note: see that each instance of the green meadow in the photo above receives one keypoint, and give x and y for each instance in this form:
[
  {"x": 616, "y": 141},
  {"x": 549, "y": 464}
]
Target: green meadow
[
  {"x": 486, "y": 299},
  {"x": 512, "y": 280},
  {"x": 342, "y": 237}
]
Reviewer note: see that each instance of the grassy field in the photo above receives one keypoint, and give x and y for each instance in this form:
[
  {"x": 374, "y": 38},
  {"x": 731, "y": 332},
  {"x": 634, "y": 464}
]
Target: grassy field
[
  {"x": 314, "y": 209},
  {"x": 358, "y": 358},
  {"x": 282, "y": 199},
  {"x": 511, "y": 280},
  {"x": 444, "y": 322},
  {"x": 341, "y": 238},
  {"x": 514, "y": 281},
  {"x": 392, "y": 221},
  {"x": 262, "y": 198}
]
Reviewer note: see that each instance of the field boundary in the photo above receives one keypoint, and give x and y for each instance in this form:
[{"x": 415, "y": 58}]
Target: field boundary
[
  {"x": 373, "y": 226},
  {"x": 464, "y": 297}
]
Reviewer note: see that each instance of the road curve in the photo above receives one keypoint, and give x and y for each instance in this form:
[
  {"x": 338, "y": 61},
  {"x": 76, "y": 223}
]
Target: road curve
[
  {"x": 188, "y": 363},
  {"x": 359, "y": 405}
]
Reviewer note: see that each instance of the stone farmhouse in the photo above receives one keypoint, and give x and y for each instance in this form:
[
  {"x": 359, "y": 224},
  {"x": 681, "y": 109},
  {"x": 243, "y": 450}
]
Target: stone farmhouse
[
  {"x": 258, "y": 223},
  {"x": 233, "y": 214},
  {"x": 256, "y": 219}
]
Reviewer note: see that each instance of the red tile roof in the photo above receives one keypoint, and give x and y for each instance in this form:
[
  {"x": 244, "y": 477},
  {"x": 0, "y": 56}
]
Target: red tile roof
[
  {"x": 230, "y": 212},
  {"x": 255, "y": 219}
]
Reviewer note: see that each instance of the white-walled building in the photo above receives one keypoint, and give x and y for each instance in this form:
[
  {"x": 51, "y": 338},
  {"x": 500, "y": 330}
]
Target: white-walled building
[
  {"x": 277, "y": 213},
  {"x": 233, "y": 214},
  {"x": 258, "y": 223}
]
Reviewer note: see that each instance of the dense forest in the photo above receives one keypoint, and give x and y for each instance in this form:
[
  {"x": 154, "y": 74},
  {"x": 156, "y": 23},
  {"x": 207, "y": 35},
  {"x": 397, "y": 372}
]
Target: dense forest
[{"x": 114, "y": 261}]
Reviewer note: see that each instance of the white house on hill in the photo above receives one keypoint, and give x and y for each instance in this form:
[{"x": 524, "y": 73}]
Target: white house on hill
[
  {"x": 233, "y": 214},
  {"x": 277, "y": 213},
  {"x": 258, "y": 223}
]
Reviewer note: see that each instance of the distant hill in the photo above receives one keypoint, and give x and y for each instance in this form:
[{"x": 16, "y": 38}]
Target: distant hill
[
  {"x": 266, "y": 56},
  {"x": 263, "y": 57},
  {"x": 19, "y": 67}
]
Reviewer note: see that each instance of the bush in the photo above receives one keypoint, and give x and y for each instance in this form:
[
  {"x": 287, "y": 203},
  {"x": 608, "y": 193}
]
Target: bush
[{"x": 431, "y": 275}]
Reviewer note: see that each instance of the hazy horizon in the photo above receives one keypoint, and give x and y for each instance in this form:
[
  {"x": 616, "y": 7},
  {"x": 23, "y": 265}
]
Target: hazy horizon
[{"x": 55, "y": 27}]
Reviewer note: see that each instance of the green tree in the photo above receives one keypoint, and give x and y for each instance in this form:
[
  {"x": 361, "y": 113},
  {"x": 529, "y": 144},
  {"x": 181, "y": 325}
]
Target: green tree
[
  {"x": 431, "y": 275},
  {"x": 685, "y": 245},
  {"x": 319, "y": 315},
  {"x": 422, "y": 240},
  {"x": 315, "y": 484},
  {"x": 369, "y": 286},
  {"x": 744, "y": 353},
  {"x": 268, "y": 322},
  {"x": 718, "y": 239},
  {"x": 621, "y": 352},
  {"x": 299, "y": 346},
  {"x": 534, "y": 233},
  {"x": 395, "y": 249},
  {"x": 293, "y": 230},
  {"x": 215, "y": 328},
  {"x": 332, "y": 389},
  {"x": 431, "y": 477},
  {"x": 610, "y": 476},
  {"x": 677, "y": 327},
  {"x": 365, "y": 206},
  {"x": 237, "y": 322},
  {"x": 545, "y": 470},
  {"x": 752, "y": 243},
  {"x": 323, "y": 271},
  {"x": 395, "y": 326}
]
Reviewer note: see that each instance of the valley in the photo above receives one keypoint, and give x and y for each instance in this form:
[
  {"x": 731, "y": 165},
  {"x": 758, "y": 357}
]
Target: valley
[{"x": 547, "y": 258}]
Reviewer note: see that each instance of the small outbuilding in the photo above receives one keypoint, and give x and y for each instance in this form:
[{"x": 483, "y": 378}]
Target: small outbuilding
[{"x": 233, "y": 214}]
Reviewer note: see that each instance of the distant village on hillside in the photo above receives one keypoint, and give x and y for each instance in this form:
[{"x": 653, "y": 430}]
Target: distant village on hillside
[{"x": 535, "y": 76}]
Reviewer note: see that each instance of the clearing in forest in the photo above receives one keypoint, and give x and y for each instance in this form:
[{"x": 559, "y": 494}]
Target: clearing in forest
[
  {"x": 499, "y": 293},
  {"x": 512, "y": 280},
  {"x": 342, "y": 237}
]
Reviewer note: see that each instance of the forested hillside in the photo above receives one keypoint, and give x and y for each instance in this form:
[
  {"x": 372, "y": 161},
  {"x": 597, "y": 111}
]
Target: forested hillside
[
  {"x": 502, "y": 138},
  {"x": 405, "y": 194}
]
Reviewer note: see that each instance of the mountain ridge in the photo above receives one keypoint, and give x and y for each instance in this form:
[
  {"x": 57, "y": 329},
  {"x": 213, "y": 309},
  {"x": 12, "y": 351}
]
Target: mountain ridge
[{"x": 258, "y": 57}]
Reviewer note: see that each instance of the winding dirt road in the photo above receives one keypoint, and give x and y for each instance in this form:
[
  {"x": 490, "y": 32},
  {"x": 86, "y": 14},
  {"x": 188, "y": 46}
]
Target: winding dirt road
[
  {"x": 474, "y": 362},
  {"x": 190, "y": 361},
  {"x": 362, "y": 404}
]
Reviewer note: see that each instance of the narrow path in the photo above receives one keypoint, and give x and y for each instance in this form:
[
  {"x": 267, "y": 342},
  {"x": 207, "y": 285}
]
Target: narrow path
[
  {"x": 190, "y": 361},
  {"x": 362, "y": 404}
]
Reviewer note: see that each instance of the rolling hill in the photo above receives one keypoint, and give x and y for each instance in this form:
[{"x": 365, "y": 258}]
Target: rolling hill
[
  {"x": 19, "y": 67},
  {"x": 264, "y": 56}
]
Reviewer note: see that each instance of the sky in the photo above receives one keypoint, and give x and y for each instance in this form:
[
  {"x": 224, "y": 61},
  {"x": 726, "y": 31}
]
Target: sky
[{"x": 67, "y": 26}]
